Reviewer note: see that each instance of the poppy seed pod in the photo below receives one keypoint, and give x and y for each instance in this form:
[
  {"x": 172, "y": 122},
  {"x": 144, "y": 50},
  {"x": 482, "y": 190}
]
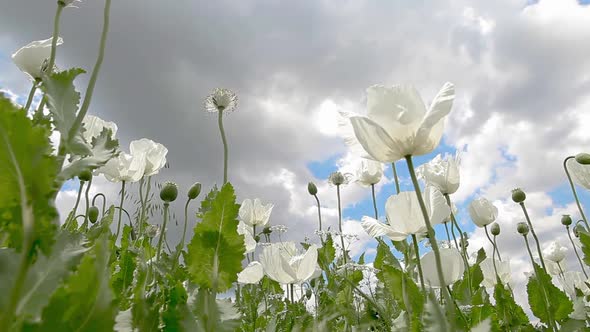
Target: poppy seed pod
[
  {"x": 194, "y": 191},
  {"x": 495, "y": 229},
  {"x": 267, "y": 230},
  {"x": 312, "y": 189},
  {"x": 169, "y": 192},
  {"x": 522, "y": 228},
  {"x": 518, "y": 196},
  {"x": 583, "y": 158},
  {"x": 337, "y": 178},
  {"x": 85, "y": 175},
  {"x": 92, "y": 214},
  {"x": 566, "y": 220}
]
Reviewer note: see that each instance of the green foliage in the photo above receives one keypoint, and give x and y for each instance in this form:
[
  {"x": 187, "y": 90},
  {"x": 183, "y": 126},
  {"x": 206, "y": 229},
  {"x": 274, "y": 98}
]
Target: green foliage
[
  {"x": 585, "y": 239},
  {"x": 216, "y": 250},
  {"x": 556, "y": 305},
  {"x": 123, "y": 269},
  {"x": 27, "y": 173},
  {"x": 508, "y": 313}
]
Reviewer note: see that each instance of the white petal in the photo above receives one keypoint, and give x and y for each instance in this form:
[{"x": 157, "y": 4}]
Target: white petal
[
  {"x": 404, "y": 214},
  {"x": 431, "y": 129},
  {"x": 375, "y": 140},
  {"x": 399, "y": 104},
  {"x": 275, "y": 266},
  {"x": 251, "y": 274},
  {"x": 31, "y": 57},
  {"x": 307, "y": 265},
  {"x": 437, "y": 206},
  {"x": 482, "y": 212},
  {"x": 375, "y": 229},
  {"x": 452, "y": 267}
]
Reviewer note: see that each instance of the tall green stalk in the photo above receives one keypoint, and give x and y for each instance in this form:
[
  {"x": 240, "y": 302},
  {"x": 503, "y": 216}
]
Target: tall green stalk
[
  {"x": 340, "y": 223},
  {"x": 319, "y": 211},
  {"x": 75, "y": 209},
  {"x": 567, "y": 228},
  {"x": 418, "y": 263},
  {"x": 224, "y": 140},
  {"x": 569, "y": 178},
  {"x": 160, "y": 240},
  {"x": 120, "y": 209},
  {"x": 31, "y": 96},
  {"x": 395, "y": 178},
  {"x": 493, "y": 242},
  {"x": 374, "y": 201},
  {"x": 87, "y": 200},
  {"x": 528, "y": 220}
]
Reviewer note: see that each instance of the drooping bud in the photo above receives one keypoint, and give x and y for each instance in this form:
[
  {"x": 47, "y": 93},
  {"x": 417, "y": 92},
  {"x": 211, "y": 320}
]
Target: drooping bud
[
  {"x": 169, "y": 192},
  {"x": 566, "y": 220},
  {"x": 92, "y": 214},
  {"x": 518, "y": 196},
  {"x": 522, "y": 228},
  {"x": 495, "y": 229},
  {"x": 312, "y": 189},
  {"x": 194, "y": 191},
  {"x": 583, "y": 158},
  {"x": 85, "y": 175}
]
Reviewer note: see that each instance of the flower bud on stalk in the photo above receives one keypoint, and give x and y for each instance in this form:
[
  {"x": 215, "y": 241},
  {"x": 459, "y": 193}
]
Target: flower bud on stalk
[
  {"x": 169, "y": 192},
  {"x": 85, "y": 175},
  {"x": 337, "y": 178},
  {"x": 194, "y": 191},
  {"x": 312, "y": 189},
  {"x": 495, "y": 229},
  {"x": 583, "y": 158},
  {"x": 522, "y": 228},
  {"x": 566, "y": 220},
  {"x": 518, "y": 196},
  {"x": 93, "y": 214}
]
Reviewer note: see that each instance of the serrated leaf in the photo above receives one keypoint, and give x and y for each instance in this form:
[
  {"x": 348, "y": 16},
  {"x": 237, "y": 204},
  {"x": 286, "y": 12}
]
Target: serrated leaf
[
  {"x": 104, "y": 147},
  {"x": 585, "y": 239},
  {"x": 326, "y": 253},
  {"x": 508, "y": 313},
  {"x": 395, "y": 280},
  {"x": 63, "y": 101},
  {"x": 124, "y": 267},
  {"x": 9, "y": 262},
  {"x": 384, "y": 256},
  {"x": 434, "y": 319},
  {"x": 216, "y": 250},
  {"x": 25, "y": 160},
  {"x": 557, "y": 304}
]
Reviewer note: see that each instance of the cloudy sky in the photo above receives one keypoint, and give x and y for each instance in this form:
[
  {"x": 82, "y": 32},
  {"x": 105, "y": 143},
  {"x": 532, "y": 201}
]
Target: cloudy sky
[{"x": 521, "y": 70}]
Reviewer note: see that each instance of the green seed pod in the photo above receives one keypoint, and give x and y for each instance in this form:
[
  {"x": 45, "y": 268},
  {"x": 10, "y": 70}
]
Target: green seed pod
[
  {"x": 312, "y": 189},
  {"x": 257, "y": 238},
  {"x": 518, "y": 196},
  {"x": 566, "y": 220},
  {"x": 337, "y": 178},
  {"x": 169, "y": 192},
  {"x": 85, "y": 175},
  {"x": 194, "y": 191},
  {"x": 583, "y": 158},
  {"x": 522, "y": 228},
  {"x": 93, "y": 214},
  {"x": 266, "y": 230},
  {"x": 495, "y": 229},
  {"x": 308, "y": 293}
]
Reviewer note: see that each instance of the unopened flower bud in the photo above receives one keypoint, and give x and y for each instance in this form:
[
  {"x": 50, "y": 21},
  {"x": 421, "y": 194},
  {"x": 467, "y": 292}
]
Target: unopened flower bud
[
  {"x": 518, "y": 196},
  {"x": 522, "y": 228},
  {"x": 583, "y": 158},
  {"x": 92, "y": 214},
  {"x": 194, "y": 191},
  {"x": 257, "y": 238},
  {"x": 312, "y": 189},
  {"x": 566, "y": 220},
  {"x": 337, "y": 178},
  {"x": 495, "y": 229},
  {"x": 308, "y": 293},
  {"x": 169, "y": 192},
  {"x": 85, "y": 175}
]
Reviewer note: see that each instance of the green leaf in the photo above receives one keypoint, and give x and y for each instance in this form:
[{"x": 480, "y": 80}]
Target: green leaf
[
  {"x": 434, "y": 318},
  {"x": 384, "y": 256},
  {"x": 104, "y": 147},
  {"x": 326, "y": 253},
  {"x": 216, "y": 250},
  {"x": 63, "y": 100},
  {"x": 394, "y": 281},
  {"x": 508, "y": 313},
  {"x": 585, "y": 239},
  {"x": 27, "y": 167},
  {"x": 124, "y": 268},
  {"x": 557, "y": 304}
]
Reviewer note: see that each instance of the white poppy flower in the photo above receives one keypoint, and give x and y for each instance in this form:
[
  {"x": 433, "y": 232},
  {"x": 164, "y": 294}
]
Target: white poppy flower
[
  {"x": 452, "y": 265},
  {"x": 125, "y": 167},
  {"x": 283, "y": 263},
  {"x": 221, "y": 100},
  {"x": 155, "y": 154},
  {"x": 32, "y": 58},
  {"x": 555, "y": 252},
  {"x": 572, "y": 280},
  {"x": 254, "y": 213},
  {"x": 249, "y": 240},
  {"x": 581, "y": 173},
  {"x": 489, "y": 274},
  {"x": 405, "y": 216},
  {"x": 482, "y": 212},
  {"x": 251, "y": 273},
  {"x": 442, "y": 173},
  {"x": 369, "y": 172},
  {"x": 94, "y": 126},
  {"x": 397, "y": 122}
]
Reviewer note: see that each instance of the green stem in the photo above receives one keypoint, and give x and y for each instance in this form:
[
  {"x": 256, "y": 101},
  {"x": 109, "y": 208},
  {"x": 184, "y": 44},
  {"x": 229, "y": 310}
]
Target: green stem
[
  {"x": 456, "y": 225},
  {"x": 120, "y": 209},
  {"x": 498, "y": 280},
  {"x": 418, "y": 263},
  {"x": 160, "y": 240},
  {"x": 223, "y": 139},
  {"x": 492, "y": 241},
  {"x": 569, "y": 178},
  {"x": 31, "y": 96},
  {"x": 181, "y": 246},
  {"x": 319, "y": 211},
  {"x": 75, "y": 209},
  {"x": 528, "y": 220},
  {"x": 576, "y": 251},
  {"x": 340, "y": 224},
  {"x": 60, "y": 7},
  {"x": 449, "y": 237},
  {"x": 374, "y": 201},
  {"x": 87, "y": 199},
  {"x": 431, "y": 238},
  {"x": 395, "y": 178},
  {"x": 560, "y": 270},
  {"x": 104, "y": 201}
]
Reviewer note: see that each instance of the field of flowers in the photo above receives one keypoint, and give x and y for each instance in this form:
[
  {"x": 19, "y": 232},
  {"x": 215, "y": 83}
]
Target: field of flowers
[{"x": 111, "y": 268}]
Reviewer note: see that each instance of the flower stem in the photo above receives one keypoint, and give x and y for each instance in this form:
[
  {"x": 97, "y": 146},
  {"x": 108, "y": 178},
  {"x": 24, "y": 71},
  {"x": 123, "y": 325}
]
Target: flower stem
[
  {"x": 493, "y": 242},
  {"x": 528, "y": 220},
  {"x": 87, "y": 200},
  {"x": 420, "y": 273},
  {"x": 104, "y": 201},
  {"x": 395, "y": 178},
  {"x": 567, "y": 228},
  {"x": 431, "y": 237},
  {"x": 569, "y": 178},
  {"x": 31, "y": 96},
  {"x": 462, "y": 249},
  {"x": 160, "y": 240},
  {"x": 75, "y": 209},
  {"x": 340, "y": 223},
  {"x": 120, "y": 209},
  {"x": 374, "y": 201},
  {"x": 498, "y": 280},
  {"x": 60, "y": 7},
  {"x": 223, "y": 139},
  {"x": 319, "y": 211}
]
